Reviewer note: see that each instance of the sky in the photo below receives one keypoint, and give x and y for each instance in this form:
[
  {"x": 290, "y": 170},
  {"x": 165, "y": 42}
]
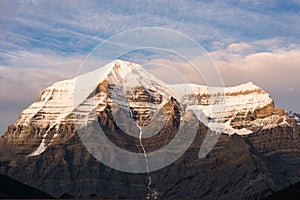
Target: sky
[{"x": 46, "y": 41}]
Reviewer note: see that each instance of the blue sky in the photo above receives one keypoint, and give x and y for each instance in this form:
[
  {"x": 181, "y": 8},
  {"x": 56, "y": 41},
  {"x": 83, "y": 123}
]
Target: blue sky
[{"x": 46, "y": 41}]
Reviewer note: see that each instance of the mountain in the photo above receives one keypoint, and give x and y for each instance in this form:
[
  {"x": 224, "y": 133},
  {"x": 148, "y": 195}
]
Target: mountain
[
  {"x": 291, "y": 192},
  {"x": 255, "y": 154},
  {"x": 294, "y": 116},
  {"x": 12, "y": 189}
]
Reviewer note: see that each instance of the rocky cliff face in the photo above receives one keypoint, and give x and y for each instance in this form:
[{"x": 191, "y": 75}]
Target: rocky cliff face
[{"x": 256, "y": 154}]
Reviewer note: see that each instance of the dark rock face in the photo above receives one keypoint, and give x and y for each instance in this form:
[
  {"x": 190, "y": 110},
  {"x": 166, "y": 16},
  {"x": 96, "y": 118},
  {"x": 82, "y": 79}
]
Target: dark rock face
[
  {"x": 12, "y": 189},
  {"x": 280, "y": 145},
  {"x": 23, "y": 140},
  {"x": 237, "y": 168},
  {"x": 291, "y": 192}
]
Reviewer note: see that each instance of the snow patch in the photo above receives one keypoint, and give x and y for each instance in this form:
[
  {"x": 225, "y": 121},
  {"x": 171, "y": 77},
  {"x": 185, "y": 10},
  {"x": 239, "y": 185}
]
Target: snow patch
[
  {"x": 204, "y": 114},
  {"x": 42, "y": 147}
]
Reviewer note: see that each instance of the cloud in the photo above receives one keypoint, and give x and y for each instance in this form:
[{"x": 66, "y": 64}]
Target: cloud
[
  {"x": 68, "y": 26},
  {"x": 240, "y": 47},
  {"x": 44, "y": 41},
  {"x": 173, "y": 72},
  {"x": 277, "y": 72},
  {"x": 19, "y": 86}
]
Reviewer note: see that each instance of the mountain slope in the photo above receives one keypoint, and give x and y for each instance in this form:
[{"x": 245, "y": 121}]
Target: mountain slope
[
  {"x": 242, "y": 109},
  {"x": 256, "y": 154},
  {"x": 12, "y": 189},
  {"x": 289, "y": 193}
]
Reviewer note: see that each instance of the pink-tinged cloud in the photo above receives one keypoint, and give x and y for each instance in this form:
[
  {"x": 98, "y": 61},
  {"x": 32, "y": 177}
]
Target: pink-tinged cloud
[{"x": 277, "y": 72}]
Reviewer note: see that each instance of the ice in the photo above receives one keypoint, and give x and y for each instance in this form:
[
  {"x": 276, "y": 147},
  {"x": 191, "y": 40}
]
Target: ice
[{"x": 42, "y": 147}]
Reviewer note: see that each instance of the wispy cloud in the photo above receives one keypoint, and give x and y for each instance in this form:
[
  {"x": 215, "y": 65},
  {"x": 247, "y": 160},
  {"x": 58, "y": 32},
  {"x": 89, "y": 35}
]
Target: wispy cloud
[
  {"x": 65, "y": 22},
  {"x": 277, "y": 71},
  {"x": 40, "y": 38},
  {"x": 26, "y": 74}
]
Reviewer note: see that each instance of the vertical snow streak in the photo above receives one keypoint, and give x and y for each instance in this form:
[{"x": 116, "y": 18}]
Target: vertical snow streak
[{"x": 147, "y": 165}]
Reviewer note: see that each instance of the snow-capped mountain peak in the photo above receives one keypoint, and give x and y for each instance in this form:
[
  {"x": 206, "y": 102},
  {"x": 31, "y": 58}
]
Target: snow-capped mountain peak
[
  {"x": 245, "y": 109},
  {"x": 123, "y": 78}
]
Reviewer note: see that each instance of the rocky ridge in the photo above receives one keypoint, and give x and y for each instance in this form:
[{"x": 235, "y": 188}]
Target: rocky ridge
[
  {"x": 44, "y": 140},
  {"x": 50, "y": 119}
]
